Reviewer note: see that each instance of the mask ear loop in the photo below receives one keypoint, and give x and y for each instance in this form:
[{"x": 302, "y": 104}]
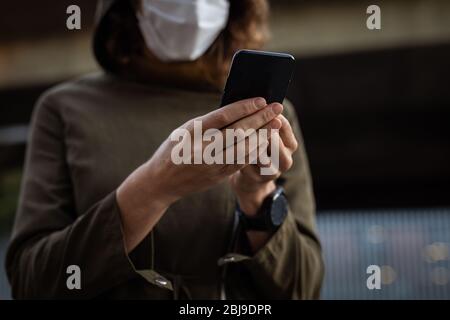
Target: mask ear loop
[{"x": 214, "y": 59}]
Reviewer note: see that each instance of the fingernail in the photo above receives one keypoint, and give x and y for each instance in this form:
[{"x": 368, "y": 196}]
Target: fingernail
[
  {"x": 277, "y": 108},
  {"x": 275, "y": 124},
  {"x": 260, "y": 102}
]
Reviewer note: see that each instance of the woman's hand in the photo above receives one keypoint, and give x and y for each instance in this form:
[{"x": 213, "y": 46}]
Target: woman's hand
[
  {"x": 147, "y": 193},
  {"x": 251, "y": 188}
]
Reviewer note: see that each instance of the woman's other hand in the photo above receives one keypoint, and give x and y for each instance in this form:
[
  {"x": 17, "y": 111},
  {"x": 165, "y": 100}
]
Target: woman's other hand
[{"x": 251, "y": 188}]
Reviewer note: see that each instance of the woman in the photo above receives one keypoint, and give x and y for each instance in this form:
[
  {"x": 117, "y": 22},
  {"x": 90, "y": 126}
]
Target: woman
[{"x": 100, "y": 191}]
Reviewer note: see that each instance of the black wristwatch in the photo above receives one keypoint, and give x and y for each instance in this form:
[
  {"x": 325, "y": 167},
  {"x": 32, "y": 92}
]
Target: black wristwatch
[{"x": 270, "y": 216}]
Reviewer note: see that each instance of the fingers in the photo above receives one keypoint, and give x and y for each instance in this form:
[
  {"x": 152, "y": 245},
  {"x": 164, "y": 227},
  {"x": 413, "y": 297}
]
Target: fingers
[
  {"x": 275, "y": 124},
  {"x": 286, "y": 143},
  {"x": 228, "y": 114},
  {"x": 285, "y": 160},
  {"x": 245, "y": 150},
  {"x": 248, "y": 149},
  {"x": 285, "y": 157},
  {"x": 242, "y": 129},
  {"x": 287, "y": 134},
  {"x": 259, "y": 118},
  {"x": 256, "y": 150}
]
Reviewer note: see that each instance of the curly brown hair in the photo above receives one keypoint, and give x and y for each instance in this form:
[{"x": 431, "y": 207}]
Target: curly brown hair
[{"x": 247, "y": 27}]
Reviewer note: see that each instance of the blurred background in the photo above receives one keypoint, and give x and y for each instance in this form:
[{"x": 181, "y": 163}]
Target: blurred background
[{"x": 375, "y": 112}]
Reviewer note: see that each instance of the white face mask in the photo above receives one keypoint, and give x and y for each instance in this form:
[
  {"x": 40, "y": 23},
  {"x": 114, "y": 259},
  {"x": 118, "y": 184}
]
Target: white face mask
[{"x": 180, "y": 30}]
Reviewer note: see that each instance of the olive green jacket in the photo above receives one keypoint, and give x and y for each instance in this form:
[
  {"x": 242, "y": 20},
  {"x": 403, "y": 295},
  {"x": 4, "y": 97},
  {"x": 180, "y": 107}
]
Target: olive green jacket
[{"x": 86, "y": 137}]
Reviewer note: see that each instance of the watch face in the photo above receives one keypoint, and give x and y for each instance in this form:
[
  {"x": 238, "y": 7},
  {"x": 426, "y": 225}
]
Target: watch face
[{"x": 279, "y": 210}]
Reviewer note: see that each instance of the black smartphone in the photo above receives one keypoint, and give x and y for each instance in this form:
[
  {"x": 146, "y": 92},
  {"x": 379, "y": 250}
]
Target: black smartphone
[{"x": 258, "y": 74}]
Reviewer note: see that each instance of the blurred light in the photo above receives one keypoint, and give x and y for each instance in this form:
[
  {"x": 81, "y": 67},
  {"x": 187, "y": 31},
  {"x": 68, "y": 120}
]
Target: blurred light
[
  {"x": 437, "y": 251},
  {"x": 388, "y": 275},
  {"x": 440, "y": 276},
  {"x": 375, "y": 234},
  {"x": 13, "y": 135}
]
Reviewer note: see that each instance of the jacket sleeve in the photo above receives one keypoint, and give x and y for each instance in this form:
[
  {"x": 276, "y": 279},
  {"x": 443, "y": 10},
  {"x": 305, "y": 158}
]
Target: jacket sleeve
[
  {"x": 48, "y": 236},
  {"x": 290, "y": 265}
]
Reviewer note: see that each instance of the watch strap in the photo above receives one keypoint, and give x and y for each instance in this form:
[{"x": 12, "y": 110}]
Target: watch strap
[
  {"x": 258, "y": 222},
  {"x": 262, "y": 220}
]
